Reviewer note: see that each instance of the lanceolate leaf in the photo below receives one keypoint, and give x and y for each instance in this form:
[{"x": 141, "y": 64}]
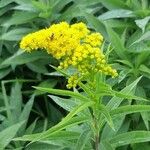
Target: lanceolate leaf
[
  {"x": 116, "y": 101},
  {"x": 130, "y": 137},
  {"x": 83, "y": 139},
  {"x": 7, "y": 134},
  {"x": 69, "y": 120},
  {"x": 113, "y": 4},
  {"x": 105, "y": 145},
  {"x": 63, "y": 93},
  {"x": 142, "y": 23},
  {"x": 129, "y": 96},
  {"x": 21, "y": 57},
  {"x": 25, "y": 113},
  {"x": 130, "y": 109},
  {"x": 16, "y": 101},
  {"x": 117, "y": 13},
  {"x": 67, "y": 135},
  {"x": 52, "y": 131},
  {"x": 118, "y": 46},
  {"x": 105, "y": 112},
  {"x": 67, "y": 104}
]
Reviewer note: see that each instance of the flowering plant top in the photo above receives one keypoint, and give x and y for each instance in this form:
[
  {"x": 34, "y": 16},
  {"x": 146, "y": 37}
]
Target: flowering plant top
[{"x": 74, "y": 46}]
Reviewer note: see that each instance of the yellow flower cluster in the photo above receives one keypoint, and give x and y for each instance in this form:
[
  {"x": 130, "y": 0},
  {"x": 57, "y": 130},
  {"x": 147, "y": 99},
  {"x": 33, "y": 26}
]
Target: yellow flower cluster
[
  {"x": 72, "y": 81},
  {"x": 74, "y": 45}
]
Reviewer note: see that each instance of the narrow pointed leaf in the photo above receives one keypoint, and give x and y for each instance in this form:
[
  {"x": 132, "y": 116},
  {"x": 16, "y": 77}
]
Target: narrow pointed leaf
[
  {"x": 107, "y": 115},
  {"x": 63, "y": 93},
  {"x": 130, "y": 109},
  {"x": 7, "y": 134},
  {"x": 130, "y": 137}
]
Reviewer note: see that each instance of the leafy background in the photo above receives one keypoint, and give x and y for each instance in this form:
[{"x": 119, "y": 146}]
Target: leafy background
[{"x": 24, "y": 110}]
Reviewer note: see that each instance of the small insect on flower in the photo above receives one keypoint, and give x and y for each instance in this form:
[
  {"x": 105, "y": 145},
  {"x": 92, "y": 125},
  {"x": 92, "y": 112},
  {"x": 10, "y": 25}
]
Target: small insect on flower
[{"x": 51, "y": 37}]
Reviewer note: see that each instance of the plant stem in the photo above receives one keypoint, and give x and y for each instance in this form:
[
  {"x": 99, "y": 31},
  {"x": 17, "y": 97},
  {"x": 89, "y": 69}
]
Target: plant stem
[
  {"x": 96, "y": 142},
  {"x": 96, "y": 134}
]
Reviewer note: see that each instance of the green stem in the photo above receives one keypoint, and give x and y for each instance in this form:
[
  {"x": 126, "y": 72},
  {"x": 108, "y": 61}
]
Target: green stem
[
  {"x": 96, "y": 134},
  {"x": 96, "y": 125},
  {"x": 94, "y": 112}
]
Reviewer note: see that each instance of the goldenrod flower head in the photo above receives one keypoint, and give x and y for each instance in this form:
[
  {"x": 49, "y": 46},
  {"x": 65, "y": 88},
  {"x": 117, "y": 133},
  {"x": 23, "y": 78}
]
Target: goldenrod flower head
[
  {"x": 72, "y": 81},
  {"x": 74, "y": 46},
  {"x": 94, "y": 39}
]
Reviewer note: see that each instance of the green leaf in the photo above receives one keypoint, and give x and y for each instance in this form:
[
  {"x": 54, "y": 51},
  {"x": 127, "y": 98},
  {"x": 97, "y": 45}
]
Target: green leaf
[
  {"x": 67, "y": 104},
  {"x": 145, "y": 69},
  {"x": 105, "y": 112},
  {"x": 123, "y": 74},
  {"x": 2, "y": 109},
  {"x": 83, "y": 139},
  {"x": 77, "y": 9},
  {"x": 27, "y": 6},
  {"x": 126, "y": 62},
  {"x": 141, "y": 58},
  {"x": 45, "y": 84},
  {"x": 144, "y": 37},
  {"x": 142, "y": 23},
  {"x": 16, "y": 101},
  {"x": 129, "y": 96},
  {"x": 130, "y": 137},
  {"x": 5, "y": 9},
  {"x": 52, "y": 131},
  {"x": 27, "y": 108},
  {"x": 107, "y": 131},
  {"x": 20, "y": 18},
  {"x": 3, "y": 3},
  {"x": 25, "y": 113},
  {"x": 40, "y": 5},
  {"x": 117, "y": 13},
  {"x": 130, "y": 109},
  {"x": 116, "y": 101},
  {"x": 59, "y": 4},
  {"x": 140, "y": 146},
  {"x": 7, "y": 134},
  {"x": 145, "y": 115},
  {"x": 63, "y": 93},
  {"x": 119, "y": 24},
  {"x": 105, "y": 145},
  {"x": 37, "y": 67},
  {"x": 6, "y": 100},
  {"x": 118, "y": 46},
  {"x": 22, "y": 57},
  {"x": 113, "y": 4},
  {"x": 65, "y": 135},
  {"x": 31, "y": 128},
  {"x": 45, "y": 146},
  {"x": 15, "y": 34},
  {"x": 76, "y": 110},
  {"x": 96, "y": 24},
  {"x": 69, "y": 120},
  {"x": 4, "y": 72}
]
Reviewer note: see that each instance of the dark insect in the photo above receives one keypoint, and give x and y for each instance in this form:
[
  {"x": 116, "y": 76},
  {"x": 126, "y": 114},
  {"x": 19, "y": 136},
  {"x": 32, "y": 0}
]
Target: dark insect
[{"x": 52, "y": 37}]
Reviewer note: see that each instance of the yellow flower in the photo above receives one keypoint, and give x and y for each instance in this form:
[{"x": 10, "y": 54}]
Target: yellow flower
[
  {"x": 74, "y": 46},
  {"x": 72, "y": 81},
  {"x": 94, "y": 39},
  {"x": 80, "y": 29}
]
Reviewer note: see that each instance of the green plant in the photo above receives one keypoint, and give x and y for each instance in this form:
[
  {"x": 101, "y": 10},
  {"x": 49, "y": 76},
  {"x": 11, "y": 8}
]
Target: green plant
[
  {"x": 124, "y": 23},
  {"x": 92, "y": 109}
]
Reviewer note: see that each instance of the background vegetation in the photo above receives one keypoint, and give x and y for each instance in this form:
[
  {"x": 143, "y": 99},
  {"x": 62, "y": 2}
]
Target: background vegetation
[{"x": 24, "y": 110}]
